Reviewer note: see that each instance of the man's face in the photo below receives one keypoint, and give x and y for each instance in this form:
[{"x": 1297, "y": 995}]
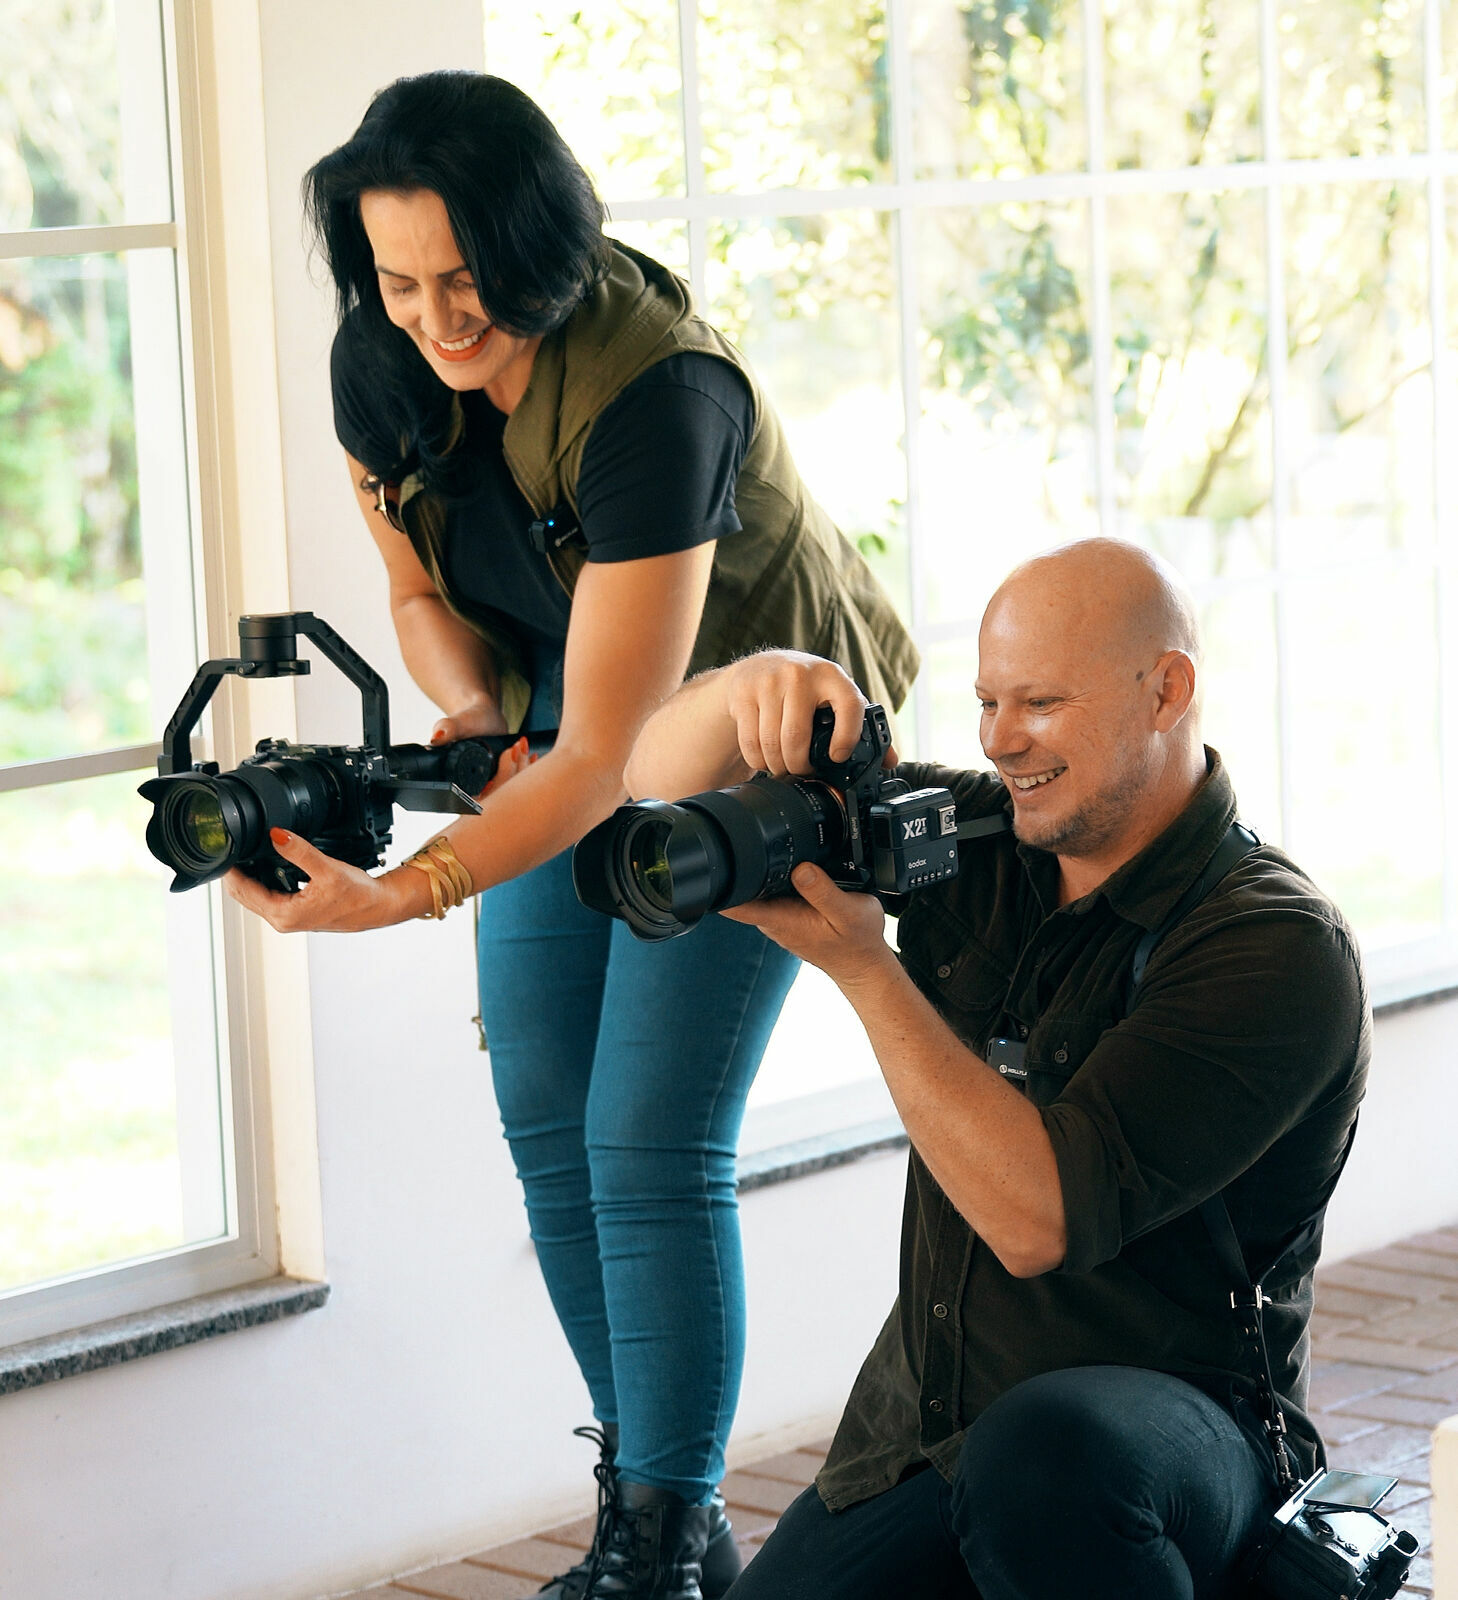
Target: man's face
[{"x": 1065, "y": 724}]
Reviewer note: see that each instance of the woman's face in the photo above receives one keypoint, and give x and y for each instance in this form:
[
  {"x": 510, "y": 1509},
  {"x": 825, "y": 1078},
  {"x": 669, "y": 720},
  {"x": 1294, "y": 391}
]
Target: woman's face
[{"x": 428, "y": 291}]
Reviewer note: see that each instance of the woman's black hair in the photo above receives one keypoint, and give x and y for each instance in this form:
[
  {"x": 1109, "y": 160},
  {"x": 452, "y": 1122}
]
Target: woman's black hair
[{"x": 523, "y": 211}]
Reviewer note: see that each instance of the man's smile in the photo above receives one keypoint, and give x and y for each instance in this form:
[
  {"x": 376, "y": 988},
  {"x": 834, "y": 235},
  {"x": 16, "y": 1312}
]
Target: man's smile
[{"x": 1032, "y": 780}]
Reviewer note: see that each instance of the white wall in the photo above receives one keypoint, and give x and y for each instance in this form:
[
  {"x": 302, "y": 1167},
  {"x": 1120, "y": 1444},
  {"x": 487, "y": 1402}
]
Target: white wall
[{"x": 425, "y": 1412}]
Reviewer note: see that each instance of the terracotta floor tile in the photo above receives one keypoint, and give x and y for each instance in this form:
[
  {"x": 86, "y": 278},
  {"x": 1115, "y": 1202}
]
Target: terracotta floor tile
[
  {"x": 795, "y": 1466},
  {"x": 758, "y": 1494},
  {"x": 535, "y": 1559},
  {"x": 1389, "y": 1405},
  {"x": 462, "y": 1581},
  {"x": 1383, "y": 1353},
  {"x": 1333, "y": 1382}
]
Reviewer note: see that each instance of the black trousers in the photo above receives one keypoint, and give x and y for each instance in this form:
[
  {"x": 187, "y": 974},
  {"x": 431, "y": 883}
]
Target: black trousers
[{"x": 1098, "y": 1483}]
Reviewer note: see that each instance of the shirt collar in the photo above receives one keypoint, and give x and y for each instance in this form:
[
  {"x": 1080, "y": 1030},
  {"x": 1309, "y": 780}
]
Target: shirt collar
[{"x": 1148, "y": 887}]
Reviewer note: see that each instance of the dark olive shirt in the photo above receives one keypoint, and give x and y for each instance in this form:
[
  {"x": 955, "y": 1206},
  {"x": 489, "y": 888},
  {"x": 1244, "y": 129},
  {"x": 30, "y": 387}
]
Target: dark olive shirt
[{"x": 1237, "y": 1068}]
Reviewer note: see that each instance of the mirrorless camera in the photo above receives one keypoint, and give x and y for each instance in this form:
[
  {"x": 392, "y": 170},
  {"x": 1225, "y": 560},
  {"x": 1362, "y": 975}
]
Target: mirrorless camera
[
  {"x": 339, "y": 797},
  {"x": 662, "y": 866},
  {"x": 1328, "y": 1543}
]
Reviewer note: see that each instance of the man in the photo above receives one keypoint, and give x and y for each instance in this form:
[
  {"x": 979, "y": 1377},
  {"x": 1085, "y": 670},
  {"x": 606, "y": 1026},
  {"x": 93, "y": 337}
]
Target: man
[{"x": 1060, "y": 1404}]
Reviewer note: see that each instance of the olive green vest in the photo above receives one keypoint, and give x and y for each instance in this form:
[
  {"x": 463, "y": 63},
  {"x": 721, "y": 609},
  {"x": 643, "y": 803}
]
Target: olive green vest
[{"x": 790, "y": 578}]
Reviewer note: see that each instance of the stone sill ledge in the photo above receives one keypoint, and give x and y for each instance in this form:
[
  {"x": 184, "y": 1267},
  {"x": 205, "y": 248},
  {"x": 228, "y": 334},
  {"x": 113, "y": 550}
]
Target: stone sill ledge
[{"x": 145, "y": 1333}]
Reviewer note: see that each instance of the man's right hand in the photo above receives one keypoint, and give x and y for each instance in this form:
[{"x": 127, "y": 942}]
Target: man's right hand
[{"x": 773, "y": 697}]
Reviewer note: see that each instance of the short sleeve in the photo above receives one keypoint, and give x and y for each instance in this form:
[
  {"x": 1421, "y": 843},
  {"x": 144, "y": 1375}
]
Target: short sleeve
[{"x": 660, "y": 466}]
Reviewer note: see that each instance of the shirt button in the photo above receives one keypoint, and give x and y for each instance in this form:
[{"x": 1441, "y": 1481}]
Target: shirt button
[
  {"x": 1060, "y": 1055},
  {"x": 934, "y": 1405},
  {"x": 1022, "y": 1030},
  {"x": 944, "y": 971},
  {"x": 939, "y": 1310}
]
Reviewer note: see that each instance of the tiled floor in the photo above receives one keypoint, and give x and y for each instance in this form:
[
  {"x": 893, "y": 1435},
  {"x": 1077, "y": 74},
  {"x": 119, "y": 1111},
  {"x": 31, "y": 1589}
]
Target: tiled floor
[{"x": 1385, "y": 1372}]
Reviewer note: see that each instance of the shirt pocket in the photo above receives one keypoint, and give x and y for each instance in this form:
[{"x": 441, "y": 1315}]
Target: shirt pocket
[
  {"x": 1058, "y": 1046},
  {"x": 964, "y": 980}
]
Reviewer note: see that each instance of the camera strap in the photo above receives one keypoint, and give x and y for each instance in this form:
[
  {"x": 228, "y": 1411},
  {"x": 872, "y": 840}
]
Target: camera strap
[{"x": 1247, "y": 1300}]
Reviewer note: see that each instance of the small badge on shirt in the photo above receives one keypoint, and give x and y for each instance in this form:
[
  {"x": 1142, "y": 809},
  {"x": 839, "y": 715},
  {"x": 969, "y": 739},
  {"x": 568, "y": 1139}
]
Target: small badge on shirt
[{"x": 1006, "y": 1056}]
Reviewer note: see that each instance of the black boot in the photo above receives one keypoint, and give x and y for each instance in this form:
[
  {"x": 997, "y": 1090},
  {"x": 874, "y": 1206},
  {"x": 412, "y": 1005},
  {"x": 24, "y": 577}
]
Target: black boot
[
  {"x": 572, "y": 1584},
  {"x": 721, "y": 1564},
  {"x": 654, "y": 1549}
]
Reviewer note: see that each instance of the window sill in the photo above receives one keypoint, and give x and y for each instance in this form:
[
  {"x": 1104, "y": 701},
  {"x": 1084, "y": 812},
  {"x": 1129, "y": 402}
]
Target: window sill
[
  {"x": 108, "y": 1344},
  {"x": 837, "y": 1147},
  {"x": 819, "y": 1153}
]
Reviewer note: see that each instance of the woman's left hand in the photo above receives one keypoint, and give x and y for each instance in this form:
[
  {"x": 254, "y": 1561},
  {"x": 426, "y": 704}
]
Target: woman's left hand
[{"x": 337, "y": 898}]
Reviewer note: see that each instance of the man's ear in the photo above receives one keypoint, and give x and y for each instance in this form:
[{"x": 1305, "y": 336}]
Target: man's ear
[{"x": 1173, "y": 679}]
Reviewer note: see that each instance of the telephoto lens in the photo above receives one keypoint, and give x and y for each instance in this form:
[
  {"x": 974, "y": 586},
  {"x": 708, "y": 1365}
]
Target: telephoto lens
[{"x": 662, "y": 866}]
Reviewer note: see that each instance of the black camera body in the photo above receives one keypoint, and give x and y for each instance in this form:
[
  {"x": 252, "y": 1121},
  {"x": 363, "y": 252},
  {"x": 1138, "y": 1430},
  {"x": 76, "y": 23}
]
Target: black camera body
[
  {"x": 662, "y": 866},
  {"x": 1328, "y": 1543},
  {"x": 341, "y": 798}
]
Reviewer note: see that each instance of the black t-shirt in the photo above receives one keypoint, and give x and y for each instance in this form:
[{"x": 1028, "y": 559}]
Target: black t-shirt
[{"x": 658, "y": 475}]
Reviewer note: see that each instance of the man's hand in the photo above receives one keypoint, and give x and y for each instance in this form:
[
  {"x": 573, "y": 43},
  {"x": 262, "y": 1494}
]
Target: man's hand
[
  {"x": 773, "y": 698},
  {"x": 337, "y": 898},
  {"x": 842, "y": 934}
]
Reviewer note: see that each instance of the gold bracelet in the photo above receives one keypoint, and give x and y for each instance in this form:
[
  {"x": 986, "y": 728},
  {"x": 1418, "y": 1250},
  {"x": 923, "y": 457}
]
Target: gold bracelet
[{"x": 450, "y": 883}]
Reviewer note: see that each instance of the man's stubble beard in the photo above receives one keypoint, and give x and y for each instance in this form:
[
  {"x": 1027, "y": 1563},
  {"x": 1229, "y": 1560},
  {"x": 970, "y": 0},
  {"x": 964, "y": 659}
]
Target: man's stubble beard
[{"x": 1096, "y": 824}]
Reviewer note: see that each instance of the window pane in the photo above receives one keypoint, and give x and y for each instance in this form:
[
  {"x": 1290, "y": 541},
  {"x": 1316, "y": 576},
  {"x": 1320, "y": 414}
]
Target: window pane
[
  {"x": 1239, "y": 712},
  {"x": 111, "y": 1140},
  {"x": 1448, "y": 78},
  {"x": 949, "y": 675},
  {"x": 1359, "y": 410},
  {"x": 1351, "y": 77},
  {"x": 1189, "y": 383},
  {"x": 83, "y": 118},
  {"x": 664, "y": 241},
  {"x": 1358, "y": 719},
  {"x": 92, "y": 503},
  {"x": 793, "y": 96},
  {"x": 608, "y": 76},
  {"x": 997, "y": 89},
  {"x": 811, "y": 301},
  {"x": 1007, "y": 433},
  {"x": 1182, "y": 82}
]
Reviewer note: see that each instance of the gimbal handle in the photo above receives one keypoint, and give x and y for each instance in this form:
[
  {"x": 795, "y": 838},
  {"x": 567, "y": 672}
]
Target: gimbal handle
[{"x": 269, "y": 649}]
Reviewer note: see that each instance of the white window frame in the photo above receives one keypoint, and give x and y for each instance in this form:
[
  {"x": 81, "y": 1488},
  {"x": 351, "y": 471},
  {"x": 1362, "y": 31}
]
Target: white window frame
[
  {"x": 1398, "y": 973},
  {"x": 220, "y": 237}
]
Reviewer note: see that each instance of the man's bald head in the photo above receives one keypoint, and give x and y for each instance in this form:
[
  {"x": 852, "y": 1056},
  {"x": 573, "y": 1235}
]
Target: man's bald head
[
  {"x": 1087, "y": 681},
  {"x": 1107, "y": 597}
]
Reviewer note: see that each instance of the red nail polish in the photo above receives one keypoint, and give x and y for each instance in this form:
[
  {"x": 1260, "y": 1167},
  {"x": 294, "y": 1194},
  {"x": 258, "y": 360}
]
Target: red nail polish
[{"x": 280, "y": 836}]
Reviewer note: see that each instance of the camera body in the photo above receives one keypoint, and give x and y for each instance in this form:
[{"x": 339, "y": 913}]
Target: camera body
[
  {"x": 340, "y": 798},
  {"x": 1327, "y": 1542},
  {"x": 662, "y": 866}
]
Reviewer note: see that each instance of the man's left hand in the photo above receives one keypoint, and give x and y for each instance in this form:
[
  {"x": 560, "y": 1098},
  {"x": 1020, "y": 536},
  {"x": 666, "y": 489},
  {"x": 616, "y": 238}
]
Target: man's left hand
[{"x": 842, "y": 934}]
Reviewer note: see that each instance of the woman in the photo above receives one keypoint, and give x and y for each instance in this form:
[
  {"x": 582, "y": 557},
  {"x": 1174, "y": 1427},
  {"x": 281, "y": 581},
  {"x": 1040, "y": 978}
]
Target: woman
[{"x": 579, "y": 495}]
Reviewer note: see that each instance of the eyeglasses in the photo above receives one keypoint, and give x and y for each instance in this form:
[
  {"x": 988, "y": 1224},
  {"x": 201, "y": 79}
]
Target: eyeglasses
[{"x": 387, "y": 500}]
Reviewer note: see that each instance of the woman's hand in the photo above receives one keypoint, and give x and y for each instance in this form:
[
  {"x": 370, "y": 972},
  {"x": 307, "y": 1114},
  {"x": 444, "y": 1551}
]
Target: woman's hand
[
  {"x": 337, "y": 898},
  {"x": 471, "y": 722}
]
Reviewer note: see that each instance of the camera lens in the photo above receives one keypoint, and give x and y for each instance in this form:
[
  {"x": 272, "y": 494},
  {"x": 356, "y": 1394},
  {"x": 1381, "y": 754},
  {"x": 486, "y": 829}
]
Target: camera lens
[
  {"x": 662, "y": 867},
  {"x": 201, "y": 824},
  {"x": 646, "y": 853}
]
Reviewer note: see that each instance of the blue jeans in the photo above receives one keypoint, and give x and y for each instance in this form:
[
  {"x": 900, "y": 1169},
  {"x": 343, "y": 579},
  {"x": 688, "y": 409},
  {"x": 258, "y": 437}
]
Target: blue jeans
[
  {"x": 1105, "y": 1483},
  {"x": 621, "y": 1070}
]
